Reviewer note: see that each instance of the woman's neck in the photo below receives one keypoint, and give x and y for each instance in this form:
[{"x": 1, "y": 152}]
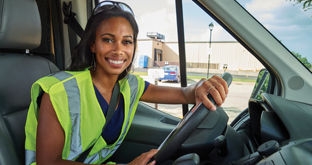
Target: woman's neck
[{"x": 104, "y": 83}]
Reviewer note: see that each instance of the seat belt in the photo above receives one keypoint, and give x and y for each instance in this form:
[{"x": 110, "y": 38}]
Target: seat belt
[
  {"x": 70, "y": 19},
  {"x": 112, "y": 104},
  {"x": 111, "y": 109}
]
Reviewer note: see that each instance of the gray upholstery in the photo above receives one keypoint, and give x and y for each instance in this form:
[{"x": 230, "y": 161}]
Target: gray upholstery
[
  {"x": 20, "y": 29},
  {"x": 17, "y": 30}
]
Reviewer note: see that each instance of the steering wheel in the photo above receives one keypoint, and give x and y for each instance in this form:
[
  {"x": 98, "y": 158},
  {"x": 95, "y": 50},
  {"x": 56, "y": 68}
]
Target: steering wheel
[{"x": 185, "y": 127}]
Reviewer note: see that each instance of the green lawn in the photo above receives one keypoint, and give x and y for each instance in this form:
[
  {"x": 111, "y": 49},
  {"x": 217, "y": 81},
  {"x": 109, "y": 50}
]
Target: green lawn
[{"x": 190, "y": 78}]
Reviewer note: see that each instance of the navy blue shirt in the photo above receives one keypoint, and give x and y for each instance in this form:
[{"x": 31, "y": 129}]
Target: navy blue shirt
[{"x": 113, "y": 128}]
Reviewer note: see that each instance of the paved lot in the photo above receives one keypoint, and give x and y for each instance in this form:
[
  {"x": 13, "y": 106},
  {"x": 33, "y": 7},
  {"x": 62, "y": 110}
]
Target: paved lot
[{"x": 237, "y": 100}]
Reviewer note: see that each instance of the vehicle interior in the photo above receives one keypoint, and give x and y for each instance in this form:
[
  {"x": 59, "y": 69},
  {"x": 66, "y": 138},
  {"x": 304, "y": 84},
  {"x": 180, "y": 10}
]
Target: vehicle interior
[
  {"x": 275, "y": 128},
  {"x": 20, "y": 67}
]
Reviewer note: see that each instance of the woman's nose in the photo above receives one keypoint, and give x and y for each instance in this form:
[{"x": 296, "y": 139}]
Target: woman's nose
[{"x": 117, "y": 48}]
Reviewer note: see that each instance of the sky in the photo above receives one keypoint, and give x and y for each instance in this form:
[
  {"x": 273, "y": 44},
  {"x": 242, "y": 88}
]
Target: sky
[
  {"x": 287, "y": 21},
  {"x": 293, "y": 30}
]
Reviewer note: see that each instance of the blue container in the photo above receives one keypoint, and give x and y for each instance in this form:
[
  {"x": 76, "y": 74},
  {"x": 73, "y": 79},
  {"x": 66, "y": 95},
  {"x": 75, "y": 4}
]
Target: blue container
[{"x": 143, "y": 61}]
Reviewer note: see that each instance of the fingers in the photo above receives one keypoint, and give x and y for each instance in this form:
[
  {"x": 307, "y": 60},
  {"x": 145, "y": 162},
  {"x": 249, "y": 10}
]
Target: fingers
[
  {"x": 220, "y": 89},
  {"x": 144, "y": 158},
  {"x": 149, "y": 156},
  {"x": 216, "y": 87},
  {"x": 152, "y": 163}
]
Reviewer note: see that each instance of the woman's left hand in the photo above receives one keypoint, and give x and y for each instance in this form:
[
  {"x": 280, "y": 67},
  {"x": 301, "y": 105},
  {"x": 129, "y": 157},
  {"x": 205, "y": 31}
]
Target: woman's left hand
[
  {"x": 216, "y": 87},
  {"x": 144, "y": 158}
]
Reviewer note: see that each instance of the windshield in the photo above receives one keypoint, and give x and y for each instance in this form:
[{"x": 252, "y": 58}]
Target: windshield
[
  {"x": 170, "y": 68},
  {"x": 289, "y": 21}
]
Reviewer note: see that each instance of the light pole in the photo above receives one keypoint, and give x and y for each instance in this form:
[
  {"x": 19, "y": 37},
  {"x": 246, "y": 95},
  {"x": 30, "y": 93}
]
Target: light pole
[{"x": 210, "y": 28}]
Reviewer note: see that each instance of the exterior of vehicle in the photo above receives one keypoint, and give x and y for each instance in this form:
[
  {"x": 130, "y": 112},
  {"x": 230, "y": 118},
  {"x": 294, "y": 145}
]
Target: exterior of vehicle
[{"x": 171, "y": 73}]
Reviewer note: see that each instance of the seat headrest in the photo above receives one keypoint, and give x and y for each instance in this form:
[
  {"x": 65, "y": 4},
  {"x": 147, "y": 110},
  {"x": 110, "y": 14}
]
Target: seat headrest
[{"x": 20, "y": 25}]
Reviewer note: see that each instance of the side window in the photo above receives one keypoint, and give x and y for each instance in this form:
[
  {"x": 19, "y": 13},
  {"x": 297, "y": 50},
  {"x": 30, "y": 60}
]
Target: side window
[{"x": 209, "y": 50}]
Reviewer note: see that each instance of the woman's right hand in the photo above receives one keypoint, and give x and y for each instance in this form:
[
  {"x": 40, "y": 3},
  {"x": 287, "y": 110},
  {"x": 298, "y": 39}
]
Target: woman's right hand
[{"x": 144, "y": 158}]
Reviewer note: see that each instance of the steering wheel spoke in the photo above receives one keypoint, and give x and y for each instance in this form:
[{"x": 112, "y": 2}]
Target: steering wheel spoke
[{"x": 197, "y": 117}]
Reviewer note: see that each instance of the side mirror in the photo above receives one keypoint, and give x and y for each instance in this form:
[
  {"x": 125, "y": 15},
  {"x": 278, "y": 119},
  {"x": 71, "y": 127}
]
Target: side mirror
[{"x": 263, "y": 84}]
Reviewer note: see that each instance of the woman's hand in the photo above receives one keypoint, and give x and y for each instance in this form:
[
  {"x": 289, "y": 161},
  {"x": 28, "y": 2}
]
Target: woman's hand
[
  {"x": 144, "y": 158},
  {"x": 216, "y": 87}
]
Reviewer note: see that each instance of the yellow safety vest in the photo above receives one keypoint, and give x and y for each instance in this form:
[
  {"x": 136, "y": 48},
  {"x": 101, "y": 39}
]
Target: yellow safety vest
[{"x": 79, "y": 113}]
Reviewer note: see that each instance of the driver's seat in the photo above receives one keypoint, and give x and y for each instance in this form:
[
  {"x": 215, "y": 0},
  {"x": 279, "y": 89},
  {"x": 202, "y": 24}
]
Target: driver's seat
[{"x": 20, "y": 32}]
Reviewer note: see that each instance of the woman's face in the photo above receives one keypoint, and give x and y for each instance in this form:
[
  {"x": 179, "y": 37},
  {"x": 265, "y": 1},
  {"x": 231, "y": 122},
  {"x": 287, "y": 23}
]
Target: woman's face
[{"x": 113, "y": 46}]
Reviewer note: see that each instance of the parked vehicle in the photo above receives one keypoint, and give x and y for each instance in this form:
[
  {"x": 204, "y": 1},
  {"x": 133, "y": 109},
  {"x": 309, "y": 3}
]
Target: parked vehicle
[
  {"x": 275, "y": 127},
  {"x": 171, "y": 73}
]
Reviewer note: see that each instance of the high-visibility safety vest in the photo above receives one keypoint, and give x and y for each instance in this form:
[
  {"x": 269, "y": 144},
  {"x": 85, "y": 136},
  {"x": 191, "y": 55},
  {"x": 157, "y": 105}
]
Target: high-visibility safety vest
[{"x": 80, "y": 115}]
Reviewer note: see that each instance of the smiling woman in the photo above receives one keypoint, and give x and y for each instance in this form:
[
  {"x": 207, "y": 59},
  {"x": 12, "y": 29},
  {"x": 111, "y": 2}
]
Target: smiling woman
[
  {"x": 90, "y": 106},
  {"x": 94, "y": 112}
]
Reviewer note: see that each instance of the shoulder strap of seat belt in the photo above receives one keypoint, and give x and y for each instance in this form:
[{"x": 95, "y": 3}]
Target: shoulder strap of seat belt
[
  {"x": 70, "y": 19},
  {"x": 112, "y": 104},
  {"x": 111, "y": 108}
]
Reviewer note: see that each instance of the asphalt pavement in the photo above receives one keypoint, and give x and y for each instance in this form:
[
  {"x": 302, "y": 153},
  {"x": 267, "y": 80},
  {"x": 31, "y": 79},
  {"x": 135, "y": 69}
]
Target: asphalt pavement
[{"x": 236, "y": 102}]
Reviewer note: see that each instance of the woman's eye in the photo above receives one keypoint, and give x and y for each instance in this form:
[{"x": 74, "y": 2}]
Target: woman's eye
[
  {"x": 108, "y": 40},
  {"x": 128, "y": 42}
]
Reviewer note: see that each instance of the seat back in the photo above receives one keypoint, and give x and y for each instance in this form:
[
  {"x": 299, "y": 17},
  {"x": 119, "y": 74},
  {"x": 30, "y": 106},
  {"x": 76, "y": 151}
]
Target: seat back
[{"x": 20, "y": 31}]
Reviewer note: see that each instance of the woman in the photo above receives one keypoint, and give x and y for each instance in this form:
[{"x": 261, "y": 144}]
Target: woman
[{"x": 68, "y": 121}]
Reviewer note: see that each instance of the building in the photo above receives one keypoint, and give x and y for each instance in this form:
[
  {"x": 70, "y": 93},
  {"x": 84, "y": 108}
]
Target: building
[{"x": 153, "y": 53}]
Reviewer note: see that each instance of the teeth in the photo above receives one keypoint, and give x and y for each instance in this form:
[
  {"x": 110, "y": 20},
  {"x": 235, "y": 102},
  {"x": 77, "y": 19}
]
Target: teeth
[{"x": 116, "y": 61}]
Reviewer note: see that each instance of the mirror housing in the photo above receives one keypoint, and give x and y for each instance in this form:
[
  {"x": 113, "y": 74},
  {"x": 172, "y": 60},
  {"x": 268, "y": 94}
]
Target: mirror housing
[{"x": 263, "y": 84}]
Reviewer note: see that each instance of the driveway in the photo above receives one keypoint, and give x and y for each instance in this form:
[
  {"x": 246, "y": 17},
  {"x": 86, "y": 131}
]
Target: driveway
[{"x": 236, "y": 102}]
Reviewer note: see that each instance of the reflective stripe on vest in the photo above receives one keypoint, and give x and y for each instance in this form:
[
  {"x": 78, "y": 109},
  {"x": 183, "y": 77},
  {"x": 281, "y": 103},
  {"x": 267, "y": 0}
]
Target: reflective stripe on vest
[{"x": 71, "y": 88}]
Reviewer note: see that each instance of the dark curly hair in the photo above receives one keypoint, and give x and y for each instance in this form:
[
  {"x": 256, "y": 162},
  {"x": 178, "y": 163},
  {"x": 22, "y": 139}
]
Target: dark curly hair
[{"x": 82, "y": 57}]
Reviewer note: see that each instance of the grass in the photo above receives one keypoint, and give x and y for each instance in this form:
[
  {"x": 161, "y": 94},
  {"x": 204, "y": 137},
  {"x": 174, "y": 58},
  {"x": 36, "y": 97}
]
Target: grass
[
  {"x": 140, "y": 73},
  {"x": 197, "y": 77},
  {"x": 237, "y": 79}
]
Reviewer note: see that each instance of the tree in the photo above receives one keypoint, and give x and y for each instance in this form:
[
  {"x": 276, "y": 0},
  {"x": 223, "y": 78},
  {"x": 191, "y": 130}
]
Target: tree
[
  {"x": 304, "y": 60},
  {"x": 306, "y": 4}
]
